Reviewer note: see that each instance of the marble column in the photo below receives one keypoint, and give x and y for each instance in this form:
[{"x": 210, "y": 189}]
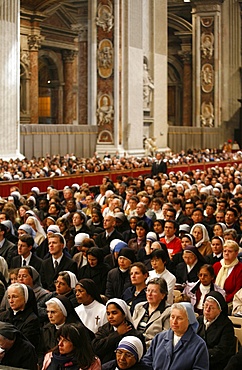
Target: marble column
[
  {"x": 68, "y": 58},
  {"x": 186, "y": 56},
  {"x": 34, "y": 42},
  {"x": 9, "y": 79},
  {"x": 82, "y": 72}
]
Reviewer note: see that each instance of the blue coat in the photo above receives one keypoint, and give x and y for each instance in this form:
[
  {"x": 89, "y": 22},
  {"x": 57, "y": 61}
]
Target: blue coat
[{"x": 190, "y": 352}]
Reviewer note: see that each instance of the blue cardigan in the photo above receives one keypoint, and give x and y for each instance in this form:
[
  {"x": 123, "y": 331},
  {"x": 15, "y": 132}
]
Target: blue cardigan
[{"x": 190, "y": 353}]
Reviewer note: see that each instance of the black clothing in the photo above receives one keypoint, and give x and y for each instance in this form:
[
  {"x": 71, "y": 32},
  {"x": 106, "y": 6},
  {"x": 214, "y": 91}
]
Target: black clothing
[
  {"x": 220, "y": 341},
  {"x": 104, "y": 243},
  {"x": 35, "y": 262},
  {"x": 98, "y": 274},
  {"x": 158, "y": 168},
  {"x": 129, "y": 297},
  {"x": 117, "y": 283},
  {"x": 182, "y": 274}
]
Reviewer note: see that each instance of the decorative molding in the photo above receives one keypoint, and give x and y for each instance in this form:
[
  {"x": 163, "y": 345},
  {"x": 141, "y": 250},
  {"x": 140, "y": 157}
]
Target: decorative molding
[
  {"x": 69, "y": 55},
  {"x": 82, "y": 31},
  {"x": 34, "y": 42}
]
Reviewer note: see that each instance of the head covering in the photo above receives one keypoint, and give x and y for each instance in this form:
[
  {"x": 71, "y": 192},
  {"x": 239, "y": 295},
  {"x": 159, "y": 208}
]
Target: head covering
[
  {"x": 32, "y": 198},
  {"x": 184, "y": 227},
  {"x": 205, "y": 237},
  {"x": 124, "y": 307},
  {"x": 53, "y": 229},
  {"x": 28, "y": 229},
  {"x": 195, "y": 251},
  {"x": 219, "y": 299},
  {"x": 120, "y": 245},
  {"x": 132, "y": 344},
  {"x": 190, "y": 314},
  {"x": 91, "y": 289},
  {"x": 120, "y": 215},
  {"x": 56, "y": 300},
  {"x": 73, "y": 279},
  {"x": 223, "y": 226},
  {"x": 76, "y": 186},
  {"x": 8, "y": 330},
  {"x": 113, "y": 244},
  {"x": 96, "y": 252},
  {"x": 9, "y": 225},
  {"x": 80, "y": 237},
  {"x": 36, "y": 277},
  {"x": 36, "y": 190},
  {"x": 38, "y": 226},
  {"x": 190, "y": 237},
  {"x": 66, "y": 308},
  {"x": 151, "y": 236},
  {"x": 127, "y": 253}
]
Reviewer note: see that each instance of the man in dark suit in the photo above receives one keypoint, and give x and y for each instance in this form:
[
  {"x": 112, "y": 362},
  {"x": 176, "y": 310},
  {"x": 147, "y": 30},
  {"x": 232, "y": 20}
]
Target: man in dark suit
[
  {"x": 103, "y": 240},
  {"x": 25, "y": 256},
  {"x": 56, "y": 263},
  {"x": 159, "y": 166},
  {"x": 7, "y": 249}
]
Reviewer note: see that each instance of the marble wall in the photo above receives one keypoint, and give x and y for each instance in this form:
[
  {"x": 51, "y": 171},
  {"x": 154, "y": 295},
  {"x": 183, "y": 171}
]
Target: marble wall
[{"x": 9, "y": 78}]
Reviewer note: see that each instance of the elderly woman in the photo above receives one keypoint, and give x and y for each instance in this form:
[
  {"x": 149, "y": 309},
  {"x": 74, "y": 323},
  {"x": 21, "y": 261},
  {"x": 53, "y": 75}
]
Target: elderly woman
[
  {"x": 128, "y": 355},
  {"x": 229, "y": 270},
  {"x": 199, "y": 290},
  {"x": 153, "y": 316},
  {"x": 59, "y": 311},
  {"x": 73, "y": 351},
  {"x": 179, "y": 347},
  {"x": 201, "y": 236},
  {"x": 23, "y": 312},
  {"x": 217, "y": 331},
  {"x": 187, "y": 270},
  {"x": 64, "y": 285},
  {"x": 119, "y": 325},
  {"x": 91, "y": 310}
]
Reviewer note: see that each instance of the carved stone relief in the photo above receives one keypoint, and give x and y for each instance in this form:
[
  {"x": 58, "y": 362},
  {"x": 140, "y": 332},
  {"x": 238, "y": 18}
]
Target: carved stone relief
[
  {"x": 105, "y": 111},
  {"x": 105, "y": 137},
  {"x": 207, "y": 76},
  {"x": 105, "y": 58},
  {"x": 207, "y": 45},
  {"x": 148, "y": 87},
  {"x": 105, "y": 16},
  {"x": 207, "y": 21},
  {"x": 207, "y": 114}
]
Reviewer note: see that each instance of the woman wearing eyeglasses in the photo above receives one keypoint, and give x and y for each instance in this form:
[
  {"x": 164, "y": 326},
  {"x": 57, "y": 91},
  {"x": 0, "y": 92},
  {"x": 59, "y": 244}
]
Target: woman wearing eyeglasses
[
  {"x": 128, "y": 355},
  {"x": 198, "y": 291},
  {"x": 152, "y": 317}
]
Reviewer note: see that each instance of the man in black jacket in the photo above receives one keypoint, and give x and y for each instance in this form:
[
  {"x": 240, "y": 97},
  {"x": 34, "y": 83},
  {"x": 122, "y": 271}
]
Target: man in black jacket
[
  {"x": 25, "y": 256},
  {"x": 56, "y": 263},
  {"x": 159, "y": 166}
]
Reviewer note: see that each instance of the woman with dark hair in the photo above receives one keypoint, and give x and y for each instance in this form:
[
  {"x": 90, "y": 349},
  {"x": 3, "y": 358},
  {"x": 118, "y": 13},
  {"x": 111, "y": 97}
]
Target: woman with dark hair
[
  {"x": 198, "y": 291},
  {"x": 119, "y": 325},
  {"x": 153, "y": 316},
  {"x": 131, "y": 233},
  {"x": 95, "y": 269},
  {"x": 64, "y": 226},
  {"x": 73, "y": 351},
  {"x": 91, "y": 310},
  {"x": 23, "y": 312},
  {"x": 137, "y": 292},
  {"x": 95, "y": 221},
  {"x": 139, "y": 241},
  {"x": 60, "y": 312}
]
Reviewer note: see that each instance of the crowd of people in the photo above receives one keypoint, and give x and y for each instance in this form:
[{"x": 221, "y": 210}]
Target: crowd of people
[
  {"x": 142, "y": 274},
  {"x": 57, "y": 165}
]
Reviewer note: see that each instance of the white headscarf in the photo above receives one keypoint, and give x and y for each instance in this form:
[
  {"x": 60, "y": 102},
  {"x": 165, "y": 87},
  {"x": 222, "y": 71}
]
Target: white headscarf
[
  {"x": 123, "y": 305},
  {"x": 205, "y": 237}
]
